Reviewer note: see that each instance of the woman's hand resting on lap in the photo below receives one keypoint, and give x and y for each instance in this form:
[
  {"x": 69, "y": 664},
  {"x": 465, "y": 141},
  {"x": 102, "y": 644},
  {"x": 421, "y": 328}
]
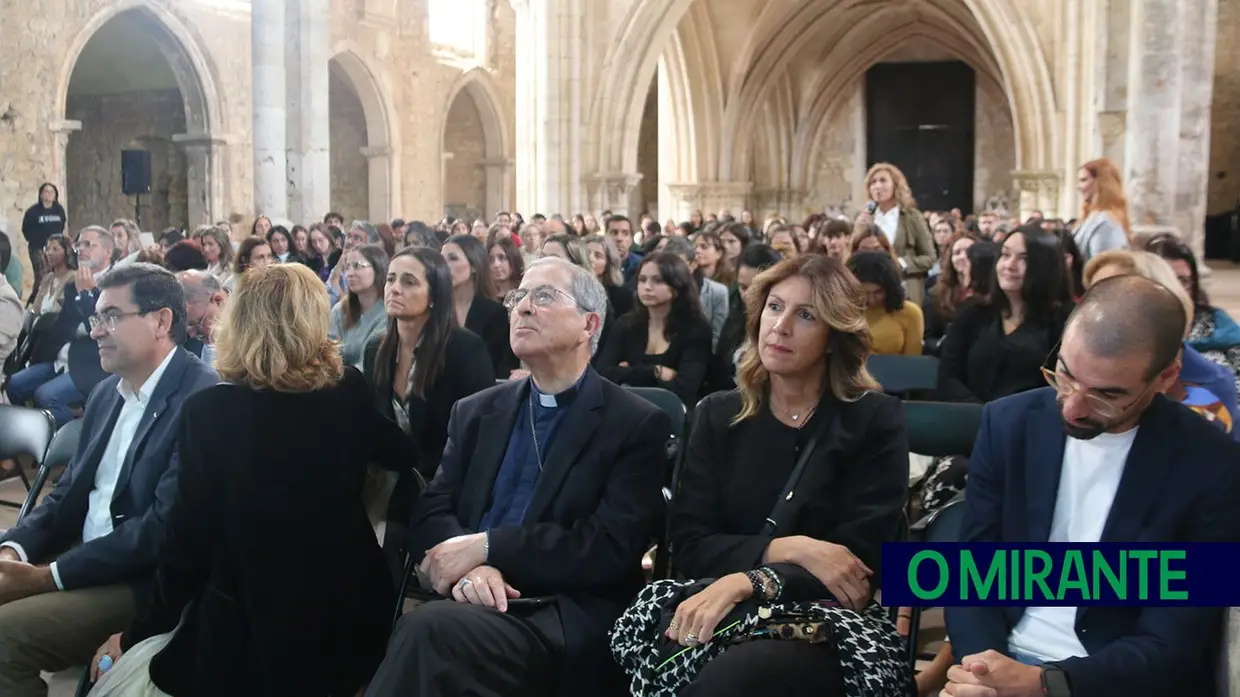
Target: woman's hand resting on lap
[
  {"x": 845, "y": 575},
  {"x": 699, "y": 616}
]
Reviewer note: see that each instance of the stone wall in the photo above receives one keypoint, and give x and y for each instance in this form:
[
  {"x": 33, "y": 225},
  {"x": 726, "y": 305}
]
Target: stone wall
[
  {"x": 841, "y": 156},
  {"x": 994, "y": 149},
  {"x": 350, "y": 169},
  {"x": 111, "y": 123},
  {"x": 465, "y": 178},
  {"x": 1224, "y": 193}
]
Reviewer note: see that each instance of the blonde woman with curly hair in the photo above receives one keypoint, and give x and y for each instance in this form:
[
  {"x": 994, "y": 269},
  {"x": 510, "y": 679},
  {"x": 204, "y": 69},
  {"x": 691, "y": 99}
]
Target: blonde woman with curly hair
[
  {"x": 804, "y": 402},
  {"x": 1104, "y": 209},
  {"x": 251, "y": 510},
  {"x": 895, "y": 214}
]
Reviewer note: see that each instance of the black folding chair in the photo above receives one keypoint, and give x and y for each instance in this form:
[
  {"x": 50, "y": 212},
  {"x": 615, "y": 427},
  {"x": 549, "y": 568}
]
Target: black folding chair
[
  {"x": 24, "y": 431},
  {"x": 675, "y": 409},
  {"x": 59, "y": 453},
  {"x": 941, "y": 526},
  {"x": 900, "y": 374}
]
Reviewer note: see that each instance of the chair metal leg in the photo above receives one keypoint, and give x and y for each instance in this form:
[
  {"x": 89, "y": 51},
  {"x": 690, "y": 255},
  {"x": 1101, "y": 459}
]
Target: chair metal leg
[
  {"x": 33, "y": 491},
  {"x": 21, "y": 473},
  {"x": 404, "y": 588},
  {"x": 913, "y": 625}
]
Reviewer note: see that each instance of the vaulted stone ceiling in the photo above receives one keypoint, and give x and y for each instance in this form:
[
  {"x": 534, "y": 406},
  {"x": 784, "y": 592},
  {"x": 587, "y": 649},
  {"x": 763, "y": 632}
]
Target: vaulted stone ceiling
[
  {"x": 121, "y": 57},
  {"x": 745, "y": 71}
]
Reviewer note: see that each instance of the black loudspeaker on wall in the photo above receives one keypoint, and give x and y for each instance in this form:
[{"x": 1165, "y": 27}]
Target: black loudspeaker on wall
[{"x": 135, "y": 172}]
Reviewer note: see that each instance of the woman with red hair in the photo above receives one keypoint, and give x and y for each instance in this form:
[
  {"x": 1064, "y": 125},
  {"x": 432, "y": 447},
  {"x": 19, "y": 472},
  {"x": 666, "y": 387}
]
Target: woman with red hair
[{"x": 1104, "y": 209}]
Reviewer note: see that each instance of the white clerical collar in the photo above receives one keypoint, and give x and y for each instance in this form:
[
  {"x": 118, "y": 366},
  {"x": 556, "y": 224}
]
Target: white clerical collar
[{"x": 547, "y": 400}]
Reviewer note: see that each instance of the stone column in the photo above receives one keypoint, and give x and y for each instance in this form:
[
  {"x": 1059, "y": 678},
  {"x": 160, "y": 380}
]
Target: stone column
[
  {"x": 1153, "y": 126},
  {"x": 1039, "y": 191},
  {"x": 709, "y": 197},
  {"x": 270, "y": 130},
  {"x": 789, "y": 203},
  {"x": 1200, "y": 19},
  {"x": 550, "y": 98},
  {"x": 379, "y": 159},
  {"x": 309, "y": 138},
  {"x": 1167, "y": 138},
  {"x": 204, "y": 173},
  {"x": 612, "y": 192},
  {"x": 60, "y": 142}
]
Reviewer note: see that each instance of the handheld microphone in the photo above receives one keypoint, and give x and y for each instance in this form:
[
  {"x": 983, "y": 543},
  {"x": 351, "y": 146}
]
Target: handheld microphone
[{"x": 871, "y": 207}]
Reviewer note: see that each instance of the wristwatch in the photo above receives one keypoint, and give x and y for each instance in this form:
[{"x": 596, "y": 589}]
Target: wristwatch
[{"x": 1055, "y": 682}]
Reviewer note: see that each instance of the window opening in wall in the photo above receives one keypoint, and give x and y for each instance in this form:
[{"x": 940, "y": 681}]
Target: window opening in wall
[{"x": 459, "y": 27}]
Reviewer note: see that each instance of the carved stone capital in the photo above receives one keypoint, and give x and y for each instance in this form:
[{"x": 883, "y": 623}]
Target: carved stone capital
[{"x": 1043, "y": 181}]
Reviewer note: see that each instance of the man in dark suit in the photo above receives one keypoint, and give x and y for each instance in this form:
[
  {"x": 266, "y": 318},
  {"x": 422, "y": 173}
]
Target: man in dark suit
[
  {"x": 546, "y": 497},
  {"x": 64, "y": 367},
  {"x": 1134, "y": 466},
  {"x": 204, "y": 301},
  {"x": 59, "y": 600}
]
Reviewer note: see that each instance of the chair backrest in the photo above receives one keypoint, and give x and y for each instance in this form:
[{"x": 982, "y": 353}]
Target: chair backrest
[
  {"x": 64, "y": 444},
  {"x": 674, "y": 408},
  {"x": 940, "y": 429},
  {"x": 25, "y": 431},
  {"x": 944, "y": 525},
  {"x": 900, "y": 374}
]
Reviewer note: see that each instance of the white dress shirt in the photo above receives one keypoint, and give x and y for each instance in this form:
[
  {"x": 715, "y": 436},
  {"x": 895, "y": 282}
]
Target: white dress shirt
[
  {"x": 1088, "y": 483},
  {"x": 888, "y": 222},
  {"x": 98, "y": 521}
]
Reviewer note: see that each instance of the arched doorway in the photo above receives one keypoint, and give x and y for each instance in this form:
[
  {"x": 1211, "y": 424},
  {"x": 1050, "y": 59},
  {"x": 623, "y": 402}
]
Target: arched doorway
[
  {"x": 647, "y": 198},
  {"x": 476, "y": 165},
  {"x": 362, "y": 179},
  {"x": 135, "y": 81}
]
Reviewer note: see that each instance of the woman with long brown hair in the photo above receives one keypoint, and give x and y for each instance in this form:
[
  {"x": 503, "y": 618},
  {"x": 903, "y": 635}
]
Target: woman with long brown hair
[
  {"x": 804, "y": 402},
  {"x": 950, "y": 291},
  {"x": 896, "y": 216},
  {"x": 1104, "y": 209}
]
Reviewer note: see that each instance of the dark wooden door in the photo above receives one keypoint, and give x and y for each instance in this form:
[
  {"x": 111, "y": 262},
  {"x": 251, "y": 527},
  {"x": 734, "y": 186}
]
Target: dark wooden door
[{"x": 920, "y": 117}]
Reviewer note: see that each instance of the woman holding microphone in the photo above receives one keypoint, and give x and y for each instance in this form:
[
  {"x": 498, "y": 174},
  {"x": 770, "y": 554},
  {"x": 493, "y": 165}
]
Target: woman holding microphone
[{"x": 894, "y": 212}]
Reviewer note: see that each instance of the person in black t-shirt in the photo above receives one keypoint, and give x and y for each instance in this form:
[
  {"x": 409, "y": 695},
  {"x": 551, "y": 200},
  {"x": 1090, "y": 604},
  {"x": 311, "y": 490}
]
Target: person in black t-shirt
[{"x": 42, "y": 220}]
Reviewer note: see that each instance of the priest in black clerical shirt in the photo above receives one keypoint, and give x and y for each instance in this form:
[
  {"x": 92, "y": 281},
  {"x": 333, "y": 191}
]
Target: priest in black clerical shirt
[{"x": 547, "y": 495}]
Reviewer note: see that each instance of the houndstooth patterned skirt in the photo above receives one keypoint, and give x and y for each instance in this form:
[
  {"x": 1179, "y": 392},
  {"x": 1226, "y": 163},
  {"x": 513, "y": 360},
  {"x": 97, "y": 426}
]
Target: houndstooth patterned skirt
[{"x": 870, "y": 652}]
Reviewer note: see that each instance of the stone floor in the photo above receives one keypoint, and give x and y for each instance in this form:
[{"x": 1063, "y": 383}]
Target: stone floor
[{"x": 1223, "y": 286}]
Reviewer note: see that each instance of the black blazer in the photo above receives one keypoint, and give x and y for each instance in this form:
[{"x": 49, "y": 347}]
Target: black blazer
[
  {"x": 466, "y": 370},
  {"x": 980, "y": 364},
  {"x": 270, "y": 548},
  {"x": 852, "y": 490},
  {"x": 489, "y": 320},
  {"x": 144, "y": 491},
  {"x": 1180, "y": 484},
  {"x": 592, "y": 515},
  {"x": 688, "y": 353}
]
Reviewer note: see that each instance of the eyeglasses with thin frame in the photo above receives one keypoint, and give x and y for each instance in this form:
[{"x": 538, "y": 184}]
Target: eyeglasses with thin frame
[
  {"x": 357, "y": 265},
  {"x": 110, "y": 320},
  {"x": 1065, "y": 387},
  {"x": 543, "y": 296}
]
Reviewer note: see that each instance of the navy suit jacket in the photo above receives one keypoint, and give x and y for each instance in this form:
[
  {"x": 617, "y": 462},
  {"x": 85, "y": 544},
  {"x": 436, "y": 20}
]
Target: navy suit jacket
[
  {"x": 1181, "y": 483},
  {"x": 144, "y": 490}
]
